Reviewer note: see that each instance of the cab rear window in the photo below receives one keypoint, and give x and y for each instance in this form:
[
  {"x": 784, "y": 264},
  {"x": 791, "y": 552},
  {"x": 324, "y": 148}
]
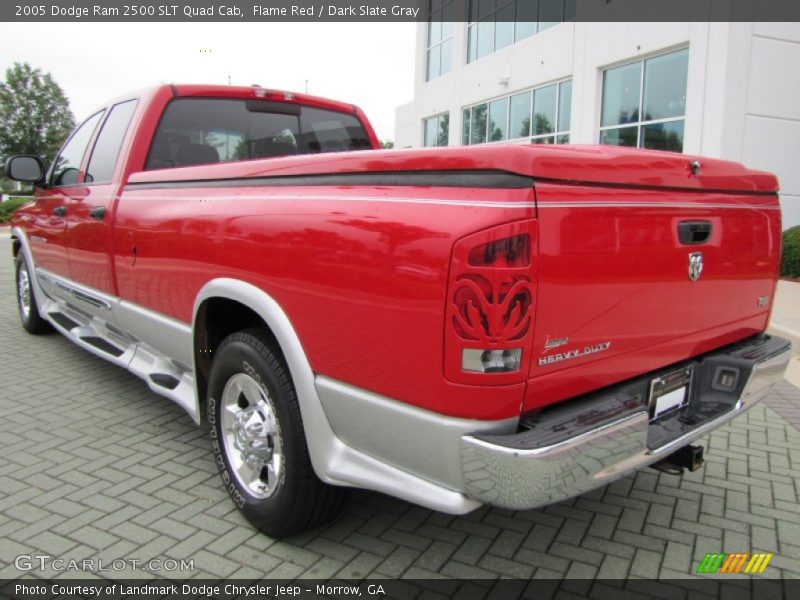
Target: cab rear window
[{"x": 195, "y": 131}]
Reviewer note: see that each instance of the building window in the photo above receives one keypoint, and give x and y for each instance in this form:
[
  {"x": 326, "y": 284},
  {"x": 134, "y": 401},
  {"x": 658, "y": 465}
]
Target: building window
[
  {"x": 439, "y": 51},
  {"x": 495, "y": 24},
  {"x": 541, "y": 114},
  {"x": 644, "y": 103},
  {"x": 436, "y": 130}
]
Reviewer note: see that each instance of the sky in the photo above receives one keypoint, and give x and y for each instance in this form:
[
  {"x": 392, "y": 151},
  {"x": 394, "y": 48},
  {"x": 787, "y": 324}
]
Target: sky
[{"x": 368, "y": 64}]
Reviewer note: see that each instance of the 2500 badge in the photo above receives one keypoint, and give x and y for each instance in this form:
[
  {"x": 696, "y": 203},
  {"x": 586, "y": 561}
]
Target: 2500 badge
[{"x": 569, "y": 354}]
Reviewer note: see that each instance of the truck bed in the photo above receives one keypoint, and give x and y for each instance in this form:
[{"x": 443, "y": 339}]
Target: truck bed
[{"x": 612, "y": 295}]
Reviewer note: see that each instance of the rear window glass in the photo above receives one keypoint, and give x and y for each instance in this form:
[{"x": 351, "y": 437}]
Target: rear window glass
[{"x": 195, "y": 131}]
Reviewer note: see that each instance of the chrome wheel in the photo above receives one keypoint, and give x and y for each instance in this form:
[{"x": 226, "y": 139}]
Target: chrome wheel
[
  {"x": 258, "y": 438},
  {"x": 251, "y": 434},
  {"x": 24, "y": 292}
]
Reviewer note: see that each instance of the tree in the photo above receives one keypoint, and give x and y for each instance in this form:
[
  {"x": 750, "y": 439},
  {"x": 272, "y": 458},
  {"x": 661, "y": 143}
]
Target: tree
[
  {"x": 35, "y": 117},
  {"x": 385, "y": 144}
]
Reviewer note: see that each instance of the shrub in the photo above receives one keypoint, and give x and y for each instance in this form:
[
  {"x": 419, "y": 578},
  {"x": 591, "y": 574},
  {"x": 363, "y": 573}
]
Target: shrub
[
  {"x": 10, "y": 205},
  {"x": 790, "y": 257}
]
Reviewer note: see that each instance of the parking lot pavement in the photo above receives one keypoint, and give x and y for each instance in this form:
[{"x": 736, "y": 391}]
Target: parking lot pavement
[{"x": 95, "y": 466}]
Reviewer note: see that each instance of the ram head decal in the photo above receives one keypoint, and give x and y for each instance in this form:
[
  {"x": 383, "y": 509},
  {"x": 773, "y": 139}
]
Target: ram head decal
[{"x": 491, "y": 312}]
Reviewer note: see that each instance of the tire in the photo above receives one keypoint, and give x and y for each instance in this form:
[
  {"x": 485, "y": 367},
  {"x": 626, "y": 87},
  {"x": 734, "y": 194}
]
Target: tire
[
  {"x": 252, "y": 406},
  {"x": 26, "y": 300}
]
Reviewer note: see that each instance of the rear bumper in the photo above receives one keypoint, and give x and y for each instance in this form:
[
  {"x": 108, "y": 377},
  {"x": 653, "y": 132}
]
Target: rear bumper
[{"x": 600, "y": 438}]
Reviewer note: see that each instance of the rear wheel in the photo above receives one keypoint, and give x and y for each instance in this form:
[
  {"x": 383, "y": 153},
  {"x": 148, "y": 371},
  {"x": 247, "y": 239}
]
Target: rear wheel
[
  {"x": 26, "y": 300},
  {"x": 259, "y": 442}
]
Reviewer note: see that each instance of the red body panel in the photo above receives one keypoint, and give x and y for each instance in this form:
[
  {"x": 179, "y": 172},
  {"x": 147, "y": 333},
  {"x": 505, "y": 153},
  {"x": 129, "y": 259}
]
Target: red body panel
[
  {"x": 362, "y": 280},
  {"x": 364, "y": 272},
  {"x": 88, "y": 239},
  {"x": 46, "y": 229},
  {"x": 612, "y": 269}
]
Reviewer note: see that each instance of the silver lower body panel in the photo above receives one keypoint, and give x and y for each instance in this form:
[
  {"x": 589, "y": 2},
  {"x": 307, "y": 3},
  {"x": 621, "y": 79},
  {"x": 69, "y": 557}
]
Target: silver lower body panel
[
  {"x": 503, "y": 472},
  {"x": 123, "y": 334}
]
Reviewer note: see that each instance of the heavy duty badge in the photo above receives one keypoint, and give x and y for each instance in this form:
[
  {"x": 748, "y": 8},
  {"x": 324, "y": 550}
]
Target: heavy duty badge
[{"x": 569, "y": 354}]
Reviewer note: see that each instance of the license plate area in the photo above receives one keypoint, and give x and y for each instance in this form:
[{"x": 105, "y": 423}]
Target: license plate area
[{"x": 670, "y": 392}]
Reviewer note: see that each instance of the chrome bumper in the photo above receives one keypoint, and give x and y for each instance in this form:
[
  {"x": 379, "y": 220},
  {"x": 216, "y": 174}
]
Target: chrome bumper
[{"x": 500, "y": 471}]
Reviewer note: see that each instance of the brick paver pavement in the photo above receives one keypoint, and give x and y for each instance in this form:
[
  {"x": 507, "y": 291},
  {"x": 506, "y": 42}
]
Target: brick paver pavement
[{"x": 94, "y": 465}]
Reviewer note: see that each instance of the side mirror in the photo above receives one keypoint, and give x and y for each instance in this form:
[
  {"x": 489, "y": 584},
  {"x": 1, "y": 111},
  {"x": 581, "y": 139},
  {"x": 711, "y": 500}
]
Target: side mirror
[
  {"x": 68, "y": 176},
  {"x": 26, "y": 168}
]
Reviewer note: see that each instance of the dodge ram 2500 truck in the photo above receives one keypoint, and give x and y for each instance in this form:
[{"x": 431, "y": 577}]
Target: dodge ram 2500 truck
[{"x": 504, "y": 324}]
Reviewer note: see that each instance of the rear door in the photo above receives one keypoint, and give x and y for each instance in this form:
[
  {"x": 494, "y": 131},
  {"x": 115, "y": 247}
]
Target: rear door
[{"x": 88, "y": 235}]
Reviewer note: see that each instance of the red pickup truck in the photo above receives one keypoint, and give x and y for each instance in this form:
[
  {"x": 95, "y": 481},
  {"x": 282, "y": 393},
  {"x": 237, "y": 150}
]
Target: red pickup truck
[{"x": 504, "y": 324}]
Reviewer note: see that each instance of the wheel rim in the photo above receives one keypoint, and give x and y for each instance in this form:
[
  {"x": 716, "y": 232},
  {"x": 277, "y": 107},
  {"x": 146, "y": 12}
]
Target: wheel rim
[
  {"x": 251, "y": 435},
  {"x": 24, "y": 291}
]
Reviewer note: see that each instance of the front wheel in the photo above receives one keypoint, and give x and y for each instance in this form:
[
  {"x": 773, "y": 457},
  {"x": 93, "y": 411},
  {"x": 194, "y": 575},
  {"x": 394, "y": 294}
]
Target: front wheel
[
  {"x": 26, "y": 300},
  {"x": 259, "y": 442}
]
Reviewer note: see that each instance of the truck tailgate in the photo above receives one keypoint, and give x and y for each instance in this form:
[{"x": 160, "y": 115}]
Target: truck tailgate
[{"x": 625, "y": 271}]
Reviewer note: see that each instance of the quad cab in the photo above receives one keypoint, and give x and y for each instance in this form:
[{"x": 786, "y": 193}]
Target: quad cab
[{"x": 506, "y": 324}]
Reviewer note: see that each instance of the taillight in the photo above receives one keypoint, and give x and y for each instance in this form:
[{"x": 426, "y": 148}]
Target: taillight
[
  {"x": 476, "y": 360},
  {"x": 510, "y": 252},
  {"x": 490, "y": 305}
]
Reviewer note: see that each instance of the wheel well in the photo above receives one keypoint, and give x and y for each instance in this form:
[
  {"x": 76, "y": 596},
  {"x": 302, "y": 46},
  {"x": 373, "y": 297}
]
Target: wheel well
[
  {"x": 216, "y": 319},
  {"x": 16, "y": 246}
]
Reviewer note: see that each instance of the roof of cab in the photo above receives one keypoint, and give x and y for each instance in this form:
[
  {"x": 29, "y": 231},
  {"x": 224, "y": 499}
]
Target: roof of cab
[
  {"x": 232, "y": 91},
  {"x": 258, "y": 92}
]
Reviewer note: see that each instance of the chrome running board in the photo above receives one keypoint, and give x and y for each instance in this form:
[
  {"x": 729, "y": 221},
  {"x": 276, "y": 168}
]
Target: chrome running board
[{"x": 61, "y": 304}]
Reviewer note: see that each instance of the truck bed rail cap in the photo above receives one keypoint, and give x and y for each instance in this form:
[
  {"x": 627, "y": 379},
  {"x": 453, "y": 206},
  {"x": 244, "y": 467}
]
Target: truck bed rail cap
[{"x": 603, "y": 165}]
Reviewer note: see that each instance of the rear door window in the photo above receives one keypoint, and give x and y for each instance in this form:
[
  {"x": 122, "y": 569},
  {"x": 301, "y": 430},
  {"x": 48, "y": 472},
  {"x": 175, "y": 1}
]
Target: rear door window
[
  {"x": 196, "y": 131},
  {"x": 106, "y": 148}
]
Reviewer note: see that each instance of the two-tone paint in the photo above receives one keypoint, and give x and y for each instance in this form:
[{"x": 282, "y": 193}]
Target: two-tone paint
[{"x": 352, "y": 260}]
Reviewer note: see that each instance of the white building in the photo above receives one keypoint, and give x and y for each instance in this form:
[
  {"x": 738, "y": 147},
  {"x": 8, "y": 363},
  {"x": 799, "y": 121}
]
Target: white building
[{"x": 729, "y": 90}]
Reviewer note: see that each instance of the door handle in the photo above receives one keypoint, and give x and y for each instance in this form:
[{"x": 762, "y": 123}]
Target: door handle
[
  {"x": 60, "y": 211},
  {"x": 694, "y": 232},
  {"x": 98, "y": 212}
]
